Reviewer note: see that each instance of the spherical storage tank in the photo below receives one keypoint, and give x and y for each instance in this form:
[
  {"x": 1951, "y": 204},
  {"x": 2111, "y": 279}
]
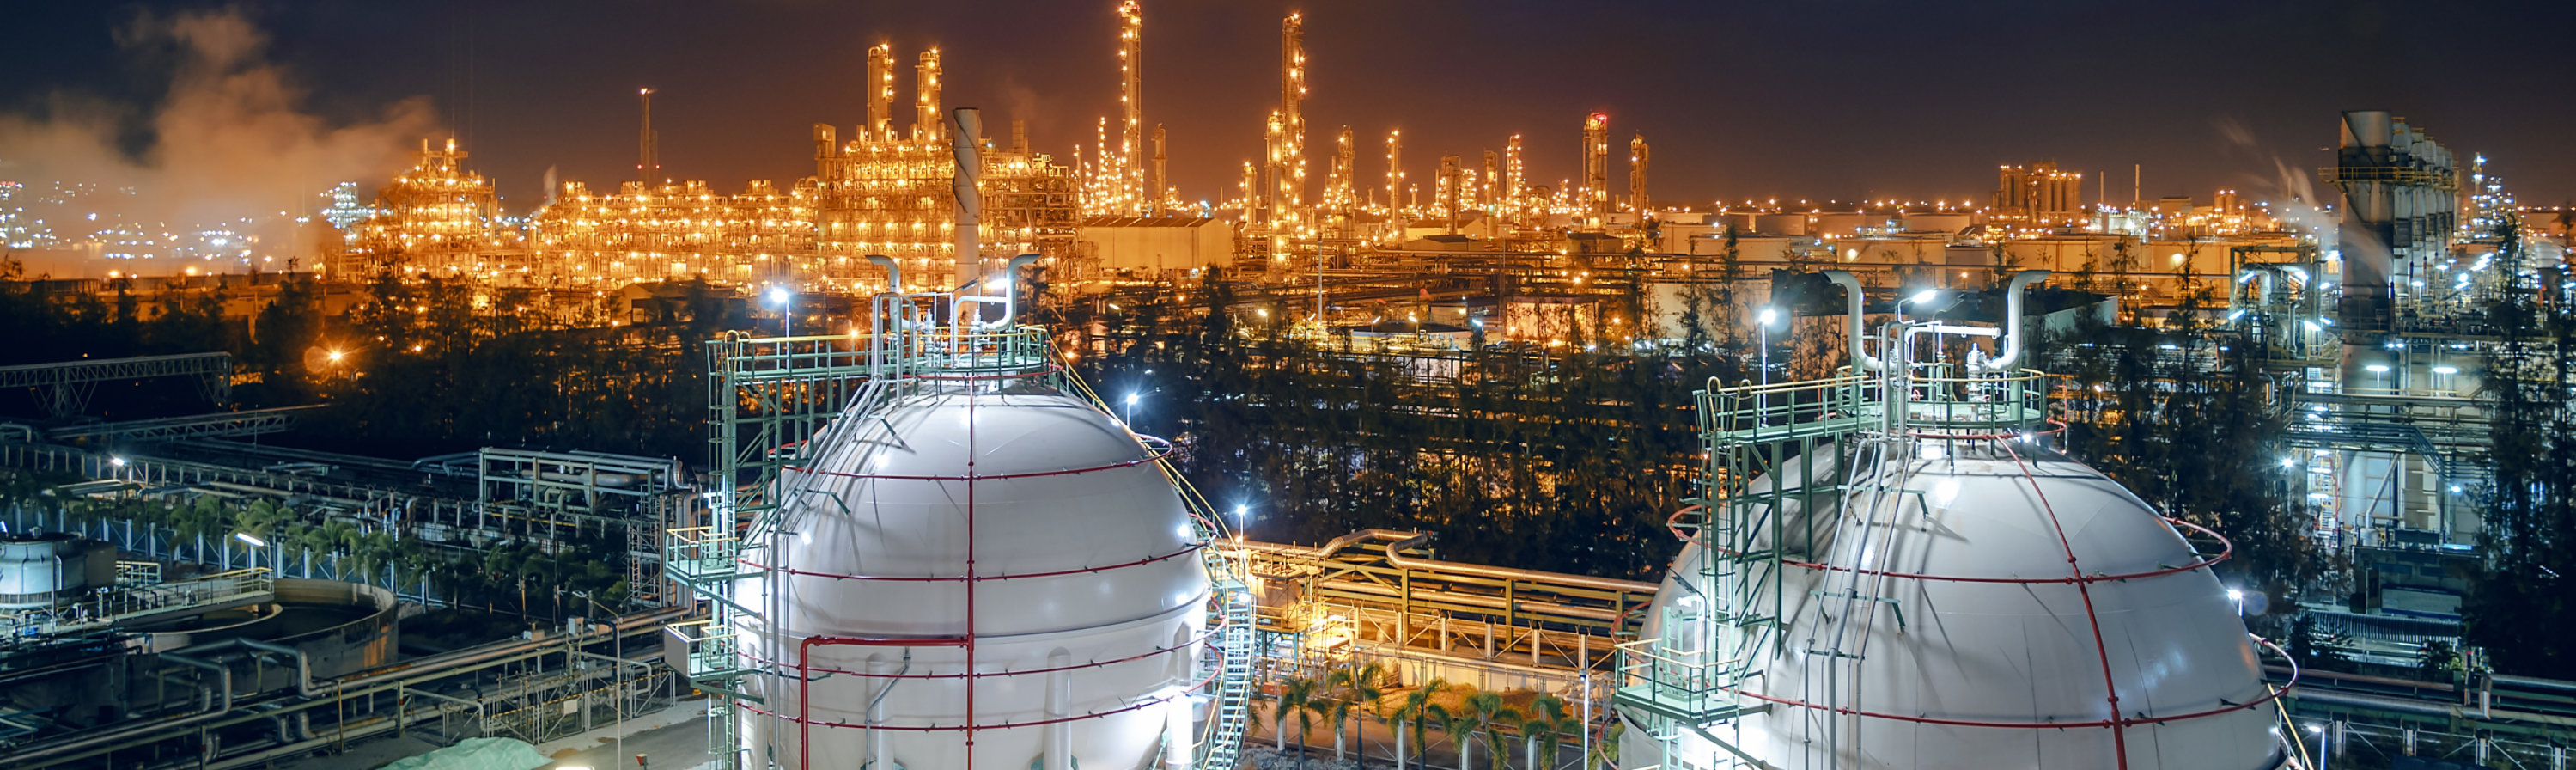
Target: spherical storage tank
[
  {"x": 1931, "y": 620},
  {"x": 1012, "y": 548}
]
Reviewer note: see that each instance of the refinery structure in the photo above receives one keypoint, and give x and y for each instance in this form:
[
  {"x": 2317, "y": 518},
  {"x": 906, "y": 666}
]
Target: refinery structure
[{"x": 919, "y": 539}]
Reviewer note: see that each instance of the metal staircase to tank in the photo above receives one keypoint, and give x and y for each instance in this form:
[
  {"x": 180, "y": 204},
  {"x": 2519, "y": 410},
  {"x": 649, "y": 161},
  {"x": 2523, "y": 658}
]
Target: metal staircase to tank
[
  {"x": 1678, "y": 683},
  {"x": 1230, "y": 718}
]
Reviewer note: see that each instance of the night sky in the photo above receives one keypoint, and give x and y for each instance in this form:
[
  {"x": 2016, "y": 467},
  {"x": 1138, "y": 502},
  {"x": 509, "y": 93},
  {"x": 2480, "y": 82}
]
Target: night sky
[{"x": 1784, "y": 99}]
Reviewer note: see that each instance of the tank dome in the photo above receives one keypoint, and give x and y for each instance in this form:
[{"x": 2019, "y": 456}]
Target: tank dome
[
  {"x": 1949, "y": 631},
  {"x": 1087, "y": 598}
]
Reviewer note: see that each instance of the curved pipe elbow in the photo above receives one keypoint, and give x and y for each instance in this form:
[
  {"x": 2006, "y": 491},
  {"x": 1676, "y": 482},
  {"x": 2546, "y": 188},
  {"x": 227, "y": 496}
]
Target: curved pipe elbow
[
  {"x": 894, "y": 272},
  {"x": 1861, "y": 360},
  {"x": 2013, "y": 292}
]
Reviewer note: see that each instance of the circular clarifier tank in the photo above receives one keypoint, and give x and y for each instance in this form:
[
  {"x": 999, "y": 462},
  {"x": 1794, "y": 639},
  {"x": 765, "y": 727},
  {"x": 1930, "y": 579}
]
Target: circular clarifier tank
[{"x": 1017, "y": 550}]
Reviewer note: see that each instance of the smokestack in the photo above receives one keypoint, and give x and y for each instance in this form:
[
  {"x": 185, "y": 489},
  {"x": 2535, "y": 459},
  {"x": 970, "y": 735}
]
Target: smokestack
[{"x": 965, "y": 129}]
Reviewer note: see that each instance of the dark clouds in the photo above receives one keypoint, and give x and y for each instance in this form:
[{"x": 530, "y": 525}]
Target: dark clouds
[{"x": 1839, "y": 98}]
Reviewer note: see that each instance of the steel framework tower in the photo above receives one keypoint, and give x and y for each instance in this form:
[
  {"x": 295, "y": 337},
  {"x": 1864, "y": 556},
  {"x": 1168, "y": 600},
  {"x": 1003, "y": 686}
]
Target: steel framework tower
[
  {"x": 1637, "y": 177},
  {"x": 1131, "y": 105},
  {"x": 928, "y": 122},
  {"x": 1596, "y": 165},
  {"x": 880, "y": 126}
]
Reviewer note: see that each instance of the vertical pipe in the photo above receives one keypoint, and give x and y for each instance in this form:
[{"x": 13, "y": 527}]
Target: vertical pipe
[
  {"x": 968, "y": 128},
  {"x": 1058, "y": 733}
]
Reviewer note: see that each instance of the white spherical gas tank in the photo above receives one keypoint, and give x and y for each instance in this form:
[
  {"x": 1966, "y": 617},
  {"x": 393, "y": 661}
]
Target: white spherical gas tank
[
  {"x": 1087, "y": 607},
  {"x": 1949, "y": 633}
]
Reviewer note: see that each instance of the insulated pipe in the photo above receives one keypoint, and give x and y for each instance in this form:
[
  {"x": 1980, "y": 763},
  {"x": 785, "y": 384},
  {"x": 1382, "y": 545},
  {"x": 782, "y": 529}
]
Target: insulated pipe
[
  {"x": 1059, "y": 706},
  {"x": 966, "y": 128},
  {"x": 2012, "y": 319},
  {"x": 1852, "y": 297},
  {"x": 1009, "y": 298},
  {"x": 894, "y": 272},
  {"x": 224, "y": 705},
  {"x": 1410, "y": 539}
]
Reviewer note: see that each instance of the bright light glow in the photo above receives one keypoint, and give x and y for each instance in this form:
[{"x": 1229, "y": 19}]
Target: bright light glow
[
  {"x": 998, "y": 283},
  {"x": 2234, "y": 595},
  {"x": 253, "y": 541},
  {"x": 1924, "y": 296},
  {"x": 1769, "y": 316},
  {"x": 2315, "y": 729},
  {"x": 2288, "y": 463},
  {"x": 2312, "y": 325},
  {"x": 1131, "y": 399},
  {"x": 116, "y": 461},
  {"x": 777, "y": 296},
  {"x": 2235, "y": 315},
  {"x": 333, "y": 355},
  {"x": 1945, "y": 491},
  {"x": 2446, "y": 370},
  {"x": 2377, "y": 368}
]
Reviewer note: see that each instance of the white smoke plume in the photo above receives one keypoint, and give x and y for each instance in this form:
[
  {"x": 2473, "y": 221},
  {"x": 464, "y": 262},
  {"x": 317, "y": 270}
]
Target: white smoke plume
[
  {"x": 2290, "y": 191},
  {"x": 230, "y": 140}
]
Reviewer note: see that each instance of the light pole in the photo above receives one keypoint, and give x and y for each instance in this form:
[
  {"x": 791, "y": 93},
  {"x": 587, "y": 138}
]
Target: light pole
[
  {"x": 254, "y": 543},
  {"x": 1919, "y": 299},
  {"x": 2376, "y": 371},
  {"x": 1130, "y": 416},
  {"x": 1762, "y": 337},
  {"x": 786, "y": 302},
  {"x": 2237, "y": 597},
  {"x": 2321, "y": 745}
]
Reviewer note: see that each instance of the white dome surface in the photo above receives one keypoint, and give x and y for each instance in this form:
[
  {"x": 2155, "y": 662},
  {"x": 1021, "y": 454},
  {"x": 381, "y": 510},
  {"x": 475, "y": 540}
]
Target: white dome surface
[
  {"x": 1909, "y": 652},
  {"x": 1114, "y": 598}
]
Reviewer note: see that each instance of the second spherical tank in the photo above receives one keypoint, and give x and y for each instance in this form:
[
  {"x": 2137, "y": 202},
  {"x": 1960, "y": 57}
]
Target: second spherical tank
[
  {"x": 1088, "y": 601},
  {"x": 1930, "y": 620}
]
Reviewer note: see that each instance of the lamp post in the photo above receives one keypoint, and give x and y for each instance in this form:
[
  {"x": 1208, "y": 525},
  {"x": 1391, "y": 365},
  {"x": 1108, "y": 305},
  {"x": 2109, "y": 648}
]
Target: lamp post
[
  {"x": 1762, "y": 336},
  {"x": 786, "y": 302},
  {"x": 2320, "y": 732},
  {"x": 2376, "y": 371},
  {"x": 1130, "y": 416},
  {"x": 255, "y": 544}
]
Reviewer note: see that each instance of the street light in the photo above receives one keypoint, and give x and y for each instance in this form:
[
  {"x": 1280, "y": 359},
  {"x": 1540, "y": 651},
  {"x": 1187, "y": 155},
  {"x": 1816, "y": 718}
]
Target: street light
[
  {"x": 2375, "y": 371},
  {"x": 1130, "y": 416},
  {"x": 2320, "y": 732},
  {"x": 2238, "y": 597},
  {"x": 786, "y": 302},
  {"x": 253, "y": 550},
  {"x": 1240, "y": 511},
  {"x": 1762, "y": 336}
]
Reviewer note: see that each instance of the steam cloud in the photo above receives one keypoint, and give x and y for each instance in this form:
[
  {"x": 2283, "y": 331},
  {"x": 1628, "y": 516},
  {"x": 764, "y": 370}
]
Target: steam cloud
[
  {"x": 2293, "y": 197},
  {"x": 230, "y": 140}
]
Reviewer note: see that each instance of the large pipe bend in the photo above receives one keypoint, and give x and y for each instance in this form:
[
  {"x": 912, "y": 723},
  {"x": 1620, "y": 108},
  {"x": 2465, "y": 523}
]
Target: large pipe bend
[
  {"x": 1861, "y": 360},
  {"x": 2021, "y": 281}
]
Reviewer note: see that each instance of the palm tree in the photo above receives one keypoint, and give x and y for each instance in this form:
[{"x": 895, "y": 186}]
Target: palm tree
[
  {"x": 1417, "y": 712},
  {"x": 1548, "y": 723},
  {"x": 1461, "y": 727},
  {"x": 1294, "y": 693},
  {"x": 1486, "y": 714},
  {"x": 1352, "y": 687}
]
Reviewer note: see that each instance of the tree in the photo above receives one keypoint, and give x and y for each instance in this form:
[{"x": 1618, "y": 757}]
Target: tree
[
  {"x": 1294, "y": 694},
  {"x": 1488, "y": 715},
  {"x": 1418, "y": 712},
  {"x": 2520, "y": 599},
  {"x": 1351, "y": 688},
  {"x": 1547, "y": 723}
]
